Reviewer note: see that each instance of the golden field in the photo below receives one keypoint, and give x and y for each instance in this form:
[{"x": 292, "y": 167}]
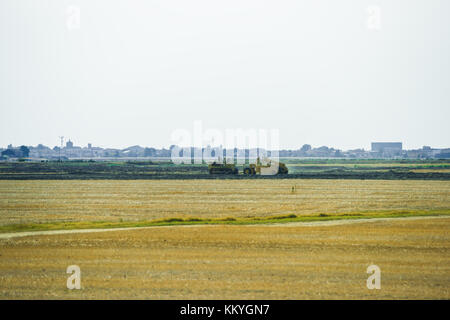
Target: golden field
[
  {"x": 136, "y": 200},
  {"x": 315, "y": 260},
  {"x": 235, "y": 262}
]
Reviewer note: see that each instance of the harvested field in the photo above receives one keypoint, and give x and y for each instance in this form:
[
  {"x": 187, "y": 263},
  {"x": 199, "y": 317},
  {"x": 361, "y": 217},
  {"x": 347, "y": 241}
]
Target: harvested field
[
  {"x": 40, "y": 201},
  {"x": 235, "y": 262}
]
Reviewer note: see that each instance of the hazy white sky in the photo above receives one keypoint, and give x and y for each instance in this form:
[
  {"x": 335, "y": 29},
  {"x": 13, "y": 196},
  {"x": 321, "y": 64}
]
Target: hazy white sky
[{"x": 135, "y": 71}]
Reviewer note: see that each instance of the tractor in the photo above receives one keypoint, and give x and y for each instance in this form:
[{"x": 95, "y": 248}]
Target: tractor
[
  {"x": 222, "y": 168},
  {"x": 269, "y": 168}
]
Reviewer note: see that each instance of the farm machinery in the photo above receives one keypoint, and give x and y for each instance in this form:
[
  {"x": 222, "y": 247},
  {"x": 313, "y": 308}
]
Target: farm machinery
[
  {"x": 222, "y": 168},
  {"x": 269, "y": 167}
]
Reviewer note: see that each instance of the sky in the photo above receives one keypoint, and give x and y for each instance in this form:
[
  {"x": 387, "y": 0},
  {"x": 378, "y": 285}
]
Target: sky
[{"x": 341, "y": 73}]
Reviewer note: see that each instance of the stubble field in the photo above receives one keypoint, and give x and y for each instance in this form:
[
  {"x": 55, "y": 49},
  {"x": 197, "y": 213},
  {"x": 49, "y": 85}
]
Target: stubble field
[
  {"x": 273, "y": 261},
  {"x": 39, "y": 201},
  {"x": 235, "y": 262}
]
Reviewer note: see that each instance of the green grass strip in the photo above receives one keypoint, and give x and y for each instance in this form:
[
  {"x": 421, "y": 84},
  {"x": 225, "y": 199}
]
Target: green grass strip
[{"x": 73, "y": 225}]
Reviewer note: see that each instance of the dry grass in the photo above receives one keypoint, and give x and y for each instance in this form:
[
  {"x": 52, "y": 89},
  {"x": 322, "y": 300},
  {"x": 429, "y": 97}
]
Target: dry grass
[
  {"x": 53, "y": 201},
  {"x": 235, "y": 262}
]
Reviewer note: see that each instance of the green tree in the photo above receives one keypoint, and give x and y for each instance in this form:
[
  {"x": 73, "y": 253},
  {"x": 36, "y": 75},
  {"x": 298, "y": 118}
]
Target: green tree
[{"x": 25, "y": 151}]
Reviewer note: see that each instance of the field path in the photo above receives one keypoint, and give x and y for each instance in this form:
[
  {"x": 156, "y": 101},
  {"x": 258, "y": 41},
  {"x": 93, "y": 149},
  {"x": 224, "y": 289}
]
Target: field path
[
  {"x": 349, "y": 221},
  {"x": 289, "y": 224}
]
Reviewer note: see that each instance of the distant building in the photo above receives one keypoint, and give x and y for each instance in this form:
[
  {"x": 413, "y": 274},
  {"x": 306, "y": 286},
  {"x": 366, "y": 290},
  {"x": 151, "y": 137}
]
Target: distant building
[
  {"x": 388, "y": 148},
  {"x": 69, "y": 144},
  {"x": 89, "y": 145}
]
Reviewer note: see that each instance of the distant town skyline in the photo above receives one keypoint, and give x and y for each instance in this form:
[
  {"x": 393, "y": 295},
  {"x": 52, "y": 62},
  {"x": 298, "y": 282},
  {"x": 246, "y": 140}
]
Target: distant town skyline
[
  {"x": 70, "y": 150},
  {"x": 72, "y": 143}
]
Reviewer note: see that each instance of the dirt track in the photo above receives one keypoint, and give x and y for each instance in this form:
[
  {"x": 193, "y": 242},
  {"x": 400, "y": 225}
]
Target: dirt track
[{"x": 291, "y": 224}]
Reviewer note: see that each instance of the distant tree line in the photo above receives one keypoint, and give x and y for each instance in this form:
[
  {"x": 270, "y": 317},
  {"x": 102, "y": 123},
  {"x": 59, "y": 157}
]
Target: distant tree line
[{"x": 21, "y": 152}]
